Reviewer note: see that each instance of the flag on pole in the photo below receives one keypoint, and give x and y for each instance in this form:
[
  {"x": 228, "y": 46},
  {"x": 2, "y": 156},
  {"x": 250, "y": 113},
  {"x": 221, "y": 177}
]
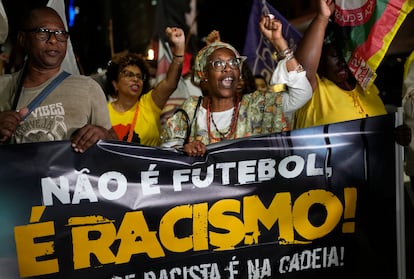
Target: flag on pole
[
  {"x": 69, "y": 63},
  {"x": 258, "y": 50},
  {"x": 369, "y": 26},
  {"x": 4, "y": 24}
]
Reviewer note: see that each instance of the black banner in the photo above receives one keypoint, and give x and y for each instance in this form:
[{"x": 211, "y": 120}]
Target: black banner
[{"x": 310, "y": 203}]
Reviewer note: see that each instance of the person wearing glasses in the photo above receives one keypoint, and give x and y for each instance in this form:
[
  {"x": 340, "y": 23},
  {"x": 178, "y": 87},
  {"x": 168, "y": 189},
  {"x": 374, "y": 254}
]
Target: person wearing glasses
[
  {"x": 223, "y": 113},
  {"x": 246, "y": 81},
  {"x": 136, "y": 109},
  {"x": 75, "y": 109}
]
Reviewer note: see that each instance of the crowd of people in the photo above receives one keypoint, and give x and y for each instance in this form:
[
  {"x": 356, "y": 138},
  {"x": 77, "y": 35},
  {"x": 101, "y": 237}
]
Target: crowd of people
[
  {"x": 310, "y": 86},
  {"x": 317, "y": 89}
]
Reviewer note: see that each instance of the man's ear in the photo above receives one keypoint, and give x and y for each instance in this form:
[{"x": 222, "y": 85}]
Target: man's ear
[{"x": 21, "y": 38}]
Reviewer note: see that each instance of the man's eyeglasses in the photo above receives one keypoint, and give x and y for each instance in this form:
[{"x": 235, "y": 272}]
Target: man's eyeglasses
[
  {"x": 43, "y": 34},
  {"x": 130, "y": 75},
  {"x": 219, "y": 65}
]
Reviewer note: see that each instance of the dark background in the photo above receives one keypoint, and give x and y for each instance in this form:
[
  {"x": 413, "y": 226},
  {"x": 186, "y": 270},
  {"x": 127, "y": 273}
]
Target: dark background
[
  {"x": 134, "y": 20},
  {"x": 134, "y": 24}
]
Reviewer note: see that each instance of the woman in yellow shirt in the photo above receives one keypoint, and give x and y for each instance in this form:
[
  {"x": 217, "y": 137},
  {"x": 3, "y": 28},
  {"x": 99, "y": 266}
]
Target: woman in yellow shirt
[
  {"x": 136, "y": 109},
  {"x": 337, "y": 96}
]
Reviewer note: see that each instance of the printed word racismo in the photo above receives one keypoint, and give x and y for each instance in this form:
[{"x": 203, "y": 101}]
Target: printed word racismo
[{"x": 223, "y": 225}]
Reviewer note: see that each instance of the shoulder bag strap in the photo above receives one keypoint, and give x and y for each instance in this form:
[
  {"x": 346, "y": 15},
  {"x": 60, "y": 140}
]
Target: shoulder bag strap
[
  {"x": 45, "y": 92},
  {"x": 19, "y": 85},
  {"x": 187, "y": 119},
  {"x": 196, "y": 109},
  {"x": 187, "y": 138}
]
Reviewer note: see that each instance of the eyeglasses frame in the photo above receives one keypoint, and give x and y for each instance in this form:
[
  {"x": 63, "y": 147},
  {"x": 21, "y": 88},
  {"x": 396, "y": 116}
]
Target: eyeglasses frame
[
  {"x": 49, "y": 32},
  {"x": 239, "y": 59},
  {"x": 137, "y": 76}
]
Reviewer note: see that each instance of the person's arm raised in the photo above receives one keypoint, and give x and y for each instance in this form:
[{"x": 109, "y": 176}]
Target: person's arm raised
[
  {"x": 271, "y": 28},
  {"x": 309, "y": 49},
  {"x": 166, "y": 87}
]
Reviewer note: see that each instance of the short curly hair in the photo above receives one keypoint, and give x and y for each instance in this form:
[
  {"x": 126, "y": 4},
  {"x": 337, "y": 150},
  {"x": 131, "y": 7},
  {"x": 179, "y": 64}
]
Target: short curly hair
[{"x": 119, "y": 62}]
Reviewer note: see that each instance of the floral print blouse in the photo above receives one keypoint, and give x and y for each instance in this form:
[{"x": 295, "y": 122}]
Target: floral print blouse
[{"x": 259, "y": 113}]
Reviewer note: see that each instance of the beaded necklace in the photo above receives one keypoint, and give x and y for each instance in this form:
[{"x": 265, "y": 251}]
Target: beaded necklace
[{"x": 232, "y": 128}]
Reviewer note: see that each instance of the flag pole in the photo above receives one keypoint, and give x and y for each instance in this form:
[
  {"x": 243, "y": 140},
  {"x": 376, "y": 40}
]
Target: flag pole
[{"x": 111, "y": 37}]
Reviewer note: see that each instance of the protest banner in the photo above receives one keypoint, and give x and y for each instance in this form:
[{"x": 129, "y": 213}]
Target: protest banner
[{"x": 318, "y": 203}]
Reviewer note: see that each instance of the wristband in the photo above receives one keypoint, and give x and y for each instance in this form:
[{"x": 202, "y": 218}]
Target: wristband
[
  {"x": 176, "y": 62},
  {"x": 286, "y": 53}
]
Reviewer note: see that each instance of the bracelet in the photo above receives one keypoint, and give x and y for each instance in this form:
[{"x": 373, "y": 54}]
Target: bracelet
[
  {"x": 286, "y": 53},
  {"x": 289, "y": 56},
  {"x": 178, "y": 56},
  {"x": 176, "y": 62}
]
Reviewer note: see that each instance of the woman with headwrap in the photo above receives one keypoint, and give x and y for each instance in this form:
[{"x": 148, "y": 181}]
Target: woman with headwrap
[{"x": 224, "y": 114}]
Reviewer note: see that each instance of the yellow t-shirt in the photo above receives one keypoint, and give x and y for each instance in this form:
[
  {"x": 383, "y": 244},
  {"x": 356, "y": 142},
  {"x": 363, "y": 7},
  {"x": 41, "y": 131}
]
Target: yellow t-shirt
[
  {"x": 331, "y": 104},
  {"x": 147, "y": 125}
]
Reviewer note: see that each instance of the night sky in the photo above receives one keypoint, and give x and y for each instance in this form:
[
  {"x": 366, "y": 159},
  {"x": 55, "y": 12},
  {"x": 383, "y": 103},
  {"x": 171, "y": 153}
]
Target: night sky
[{"x": 133, "y": 22}]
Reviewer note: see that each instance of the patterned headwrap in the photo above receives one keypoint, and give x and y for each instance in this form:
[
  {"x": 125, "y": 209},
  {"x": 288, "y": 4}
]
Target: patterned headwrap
[{"x": 200, "y": 62}]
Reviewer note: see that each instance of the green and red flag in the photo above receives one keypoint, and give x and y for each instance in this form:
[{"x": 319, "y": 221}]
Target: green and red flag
[{"x": 369, "y": 27}]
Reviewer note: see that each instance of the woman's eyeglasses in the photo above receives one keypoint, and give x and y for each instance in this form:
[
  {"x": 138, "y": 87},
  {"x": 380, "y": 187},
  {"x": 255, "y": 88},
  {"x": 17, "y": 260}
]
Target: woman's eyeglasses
[
  {"x": 43, "y": 34},
  {"x": 219, "y": 65},
  {"x": 130, "y": 75}
]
